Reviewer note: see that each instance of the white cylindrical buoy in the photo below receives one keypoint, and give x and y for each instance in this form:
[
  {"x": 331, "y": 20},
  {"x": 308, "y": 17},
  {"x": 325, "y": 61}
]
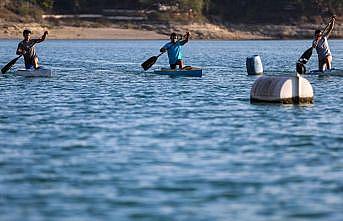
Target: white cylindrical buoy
[
  {"x": 282, "y": 89},
  {"x": 254, "y": 65}
]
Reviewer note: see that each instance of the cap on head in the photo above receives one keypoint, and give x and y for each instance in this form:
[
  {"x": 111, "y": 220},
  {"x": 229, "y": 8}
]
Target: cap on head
[{"x": 27, "y": 31}]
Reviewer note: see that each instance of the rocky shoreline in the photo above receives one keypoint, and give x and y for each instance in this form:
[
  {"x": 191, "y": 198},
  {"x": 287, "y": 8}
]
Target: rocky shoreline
[{"x": 12, "y": 30}]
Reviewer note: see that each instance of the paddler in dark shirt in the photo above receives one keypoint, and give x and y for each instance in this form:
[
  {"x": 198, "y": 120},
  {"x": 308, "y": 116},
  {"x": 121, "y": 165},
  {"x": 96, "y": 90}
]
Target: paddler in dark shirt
[{"x": 27, "y": 48}]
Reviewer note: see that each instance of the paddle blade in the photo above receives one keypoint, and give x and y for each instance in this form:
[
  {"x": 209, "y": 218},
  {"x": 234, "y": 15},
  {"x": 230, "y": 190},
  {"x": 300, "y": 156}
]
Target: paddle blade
[
  {"x": 9, "y": 65},
  {"x": 300, "y": 67},
  {"x": 306, "y": 56},
  {"x": 148, "y": 63}
]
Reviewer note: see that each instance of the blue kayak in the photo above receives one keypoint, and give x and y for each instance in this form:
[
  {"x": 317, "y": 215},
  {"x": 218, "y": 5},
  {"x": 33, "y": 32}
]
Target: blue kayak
[{"x": 185, "y": 72}]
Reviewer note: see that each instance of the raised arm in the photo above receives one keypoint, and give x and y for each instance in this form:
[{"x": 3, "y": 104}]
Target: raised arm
[
  {"x": 186, "y": 39},
  {"x": 41, "y": 39},
  {"x": 330, "y": 27}
]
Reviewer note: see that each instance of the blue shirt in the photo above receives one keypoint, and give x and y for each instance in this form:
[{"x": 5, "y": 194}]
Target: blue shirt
[{"x": 174, "y": 51}]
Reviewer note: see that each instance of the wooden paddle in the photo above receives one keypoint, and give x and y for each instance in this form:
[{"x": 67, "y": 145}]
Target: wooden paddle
[
  {"x": 9, "y": 65},
  {"x": 150, "y": 62}
]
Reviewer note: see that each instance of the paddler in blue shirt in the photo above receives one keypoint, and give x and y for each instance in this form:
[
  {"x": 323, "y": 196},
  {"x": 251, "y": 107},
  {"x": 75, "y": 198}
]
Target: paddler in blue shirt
[
  {"x": 27, "y": 49},
  {"x": 320, "y": 43},
  {"x": 174, "y": 49}
]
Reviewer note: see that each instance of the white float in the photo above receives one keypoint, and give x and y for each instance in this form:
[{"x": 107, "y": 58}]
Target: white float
[
  {"x": 282, "y": 89},
  {"x": 254, "y": 65}
]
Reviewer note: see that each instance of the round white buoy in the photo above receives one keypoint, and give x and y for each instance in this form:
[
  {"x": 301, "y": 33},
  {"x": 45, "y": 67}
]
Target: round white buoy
[
  {"x": 282, "y": 89},
  {"x": 254, "y": 65}
]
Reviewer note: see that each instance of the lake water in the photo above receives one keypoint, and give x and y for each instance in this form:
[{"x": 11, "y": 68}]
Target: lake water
[{"x": 103, "y": 140}]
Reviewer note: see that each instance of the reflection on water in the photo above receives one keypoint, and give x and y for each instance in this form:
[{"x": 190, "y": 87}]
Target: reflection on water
[{"x": 103, "y": 139}]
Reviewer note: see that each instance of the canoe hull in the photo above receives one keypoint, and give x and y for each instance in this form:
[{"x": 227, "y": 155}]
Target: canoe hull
[
  {"x": 41, "y": 72},
  {"x": 332, "y": 72},
  {"x": 189, "y": 72}
]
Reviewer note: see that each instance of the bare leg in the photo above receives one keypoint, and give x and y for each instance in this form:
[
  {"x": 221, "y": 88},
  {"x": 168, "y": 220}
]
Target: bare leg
[
  {"x": 180, "y": 63},
  {"x": 321, "y": 65},
  {"x": 35, "y": 63},
  {"x": 328, "y": 61}
]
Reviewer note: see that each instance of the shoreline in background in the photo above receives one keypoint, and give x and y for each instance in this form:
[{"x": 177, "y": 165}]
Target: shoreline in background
[{"x": 206, "y": 31}]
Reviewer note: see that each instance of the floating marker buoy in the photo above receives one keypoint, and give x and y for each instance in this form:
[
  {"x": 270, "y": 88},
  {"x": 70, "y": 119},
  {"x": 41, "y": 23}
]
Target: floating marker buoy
[
  {"x": 254, "y": 65},
  {"x": 282, "y": 89}
]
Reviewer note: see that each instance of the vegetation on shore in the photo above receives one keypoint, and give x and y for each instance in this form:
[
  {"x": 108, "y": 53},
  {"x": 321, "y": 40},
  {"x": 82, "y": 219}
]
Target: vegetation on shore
[
  {"x": 206, "y": 19},
  {"x": 242, "y": 11}
]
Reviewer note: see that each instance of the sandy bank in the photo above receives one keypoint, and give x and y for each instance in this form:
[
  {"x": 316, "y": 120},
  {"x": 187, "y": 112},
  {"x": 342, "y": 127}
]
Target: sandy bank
[
  {"x": 161, "y": 31},
  {"x": 145, "y": 31},
  {"x": 14, "y": 31}
]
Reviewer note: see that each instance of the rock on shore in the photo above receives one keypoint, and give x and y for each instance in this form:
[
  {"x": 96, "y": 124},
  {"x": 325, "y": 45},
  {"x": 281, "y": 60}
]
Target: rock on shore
[{"x": 161, "y": 31}]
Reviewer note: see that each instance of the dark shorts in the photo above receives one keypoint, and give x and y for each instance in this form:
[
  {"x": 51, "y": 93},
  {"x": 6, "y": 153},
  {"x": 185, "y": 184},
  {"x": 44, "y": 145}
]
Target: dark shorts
[
  {"x": 28, "y": 66},
  {"x": 173, "y": 66},
  {"x": 322, "y": 62},
  {"x": 323, "y": 58},
  {"x": 29, "y": 62}
]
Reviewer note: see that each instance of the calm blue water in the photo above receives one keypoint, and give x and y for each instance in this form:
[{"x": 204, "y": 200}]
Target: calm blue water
[{"x": 102, "y": 140}]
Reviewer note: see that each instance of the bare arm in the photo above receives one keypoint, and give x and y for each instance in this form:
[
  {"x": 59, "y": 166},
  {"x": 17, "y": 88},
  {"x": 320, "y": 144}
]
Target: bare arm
[
  {"x": 330, "y": 27},
  {"x": 20, "y": 50},
  {"x": 39, "y": 40},
  {"x": 186, "y": 39}
]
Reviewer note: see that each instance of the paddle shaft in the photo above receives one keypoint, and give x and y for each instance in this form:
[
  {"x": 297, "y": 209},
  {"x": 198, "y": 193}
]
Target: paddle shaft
[
  {"x": 327, "y": 26},
  {"x": 150, "y": 62},
  {"x": 160, "y": 54}
]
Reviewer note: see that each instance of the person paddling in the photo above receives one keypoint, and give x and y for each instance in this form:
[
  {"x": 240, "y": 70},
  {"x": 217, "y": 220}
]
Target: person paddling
[
  {"x": 320, "y": 43},
  {"x": 174, "y": 49},
  {"x": 27, "y": 48}
]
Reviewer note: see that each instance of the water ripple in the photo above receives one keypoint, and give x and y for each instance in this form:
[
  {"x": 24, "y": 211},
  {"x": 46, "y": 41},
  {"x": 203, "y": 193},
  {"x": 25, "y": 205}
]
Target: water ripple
[{"x": 102, "y": 139}]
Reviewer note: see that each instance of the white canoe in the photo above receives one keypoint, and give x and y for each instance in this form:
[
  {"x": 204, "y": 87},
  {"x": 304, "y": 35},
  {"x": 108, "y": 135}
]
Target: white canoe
[
  {"x": 186, "y": 72},
  {"x": 41, "y": 72},
  {"x": 331, "y": 72}
]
